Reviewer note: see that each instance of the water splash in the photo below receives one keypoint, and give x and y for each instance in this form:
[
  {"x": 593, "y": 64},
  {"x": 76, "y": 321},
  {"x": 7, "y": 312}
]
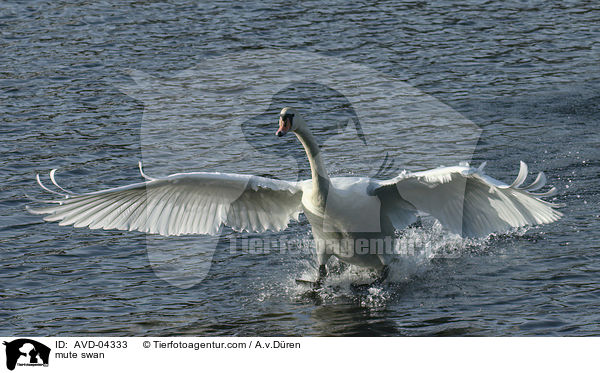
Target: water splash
[{"x": 416, "y": 250}]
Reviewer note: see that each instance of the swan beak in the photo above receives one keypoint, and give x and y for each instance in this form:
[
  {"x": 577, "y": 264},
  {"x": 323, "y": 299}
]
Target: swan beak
[{"x": 284, "y": 126}]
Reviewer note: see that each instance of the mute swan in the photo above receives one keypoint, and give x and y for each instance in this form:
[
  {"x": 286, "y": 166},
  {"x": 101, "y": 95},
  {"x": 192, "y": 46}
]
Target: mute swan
[{"x": 345, "y": 213}]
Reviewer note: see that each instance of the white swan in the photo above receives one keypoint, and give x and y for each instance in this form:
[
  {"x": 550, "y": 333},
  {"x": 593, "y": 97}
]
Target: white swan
[{"x": 346, "y": 213}]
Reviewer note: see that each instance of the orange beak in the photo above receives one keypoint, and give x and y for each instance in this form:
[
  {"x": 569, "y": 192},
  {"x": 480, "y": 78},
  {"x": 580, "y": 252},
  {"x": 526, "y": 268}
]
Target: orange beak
[{"x": 284, "y": 126}]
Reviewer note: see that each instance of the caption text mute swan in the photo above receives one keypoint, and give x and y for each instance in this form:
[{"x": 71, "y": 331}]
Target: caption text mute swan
[{"x": 346, "y": 214}]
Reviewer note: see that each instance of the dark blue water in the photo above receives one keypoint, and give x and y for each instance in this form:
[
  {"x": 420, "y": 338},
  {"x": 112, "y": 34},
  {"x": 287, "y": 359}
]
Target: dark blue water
[{"x": 526, "y": 73}]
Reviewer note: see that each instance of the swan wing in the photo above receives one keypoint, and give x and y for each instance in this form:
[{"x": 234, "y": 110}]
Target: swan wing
[
  {"x": 188, "y": 203},
  {"x": 467, "y": 201}
]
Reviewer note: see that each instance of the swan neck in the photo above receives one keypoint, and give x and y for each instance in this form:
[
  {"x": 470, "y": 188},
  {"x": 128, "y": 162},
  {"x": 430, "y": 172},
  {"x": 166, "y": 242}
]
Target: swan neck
[{"x": 319, "y": 172}]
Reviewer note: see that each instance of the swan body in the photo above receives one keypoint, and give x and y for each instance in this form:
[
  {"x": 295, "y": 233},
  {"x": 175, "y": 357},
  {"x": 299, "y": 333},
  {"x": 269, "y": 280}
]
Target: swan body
[
  {"x": 346, "y": 213},
  {"x": 349, "y": 215}
]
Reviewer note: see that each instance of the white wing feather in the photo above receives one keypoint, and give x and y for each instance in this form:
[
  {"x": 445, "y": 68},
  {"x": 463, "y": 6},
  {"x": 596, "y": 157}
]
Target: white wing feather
[
  {"x": 190, "y": 203},
  {"x": 470, "y": 203}
]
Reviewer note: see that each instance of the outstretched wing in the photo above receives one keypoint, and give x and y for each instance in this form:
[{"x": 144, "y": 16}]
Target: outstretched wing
[
  {"x": 188, "y": 203},
  {"x": 470, "y": 203}
]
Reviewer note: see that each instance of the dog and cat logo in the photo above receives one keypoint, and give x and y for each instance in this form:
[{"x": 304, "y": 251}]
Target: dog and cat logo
[{"x": 26, "y": 352}]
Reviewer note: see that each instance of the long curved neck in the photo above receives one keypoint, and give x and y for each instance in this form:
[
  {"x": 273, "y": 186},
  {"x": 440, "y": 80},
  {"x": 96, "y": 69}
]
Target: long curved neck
[{"x": 320, "y": 178}]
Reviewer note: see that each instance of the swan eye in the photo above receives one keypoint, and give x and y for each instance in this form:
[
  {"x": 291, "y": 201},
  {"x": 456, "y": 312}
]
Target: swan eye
[{"x": 287, "y": 118}]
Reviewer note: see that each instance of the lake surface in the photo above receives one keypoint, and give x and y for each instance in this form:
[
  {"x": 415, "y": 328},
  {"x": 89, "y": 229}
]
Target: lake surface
[{"x": 94, "y": 88}]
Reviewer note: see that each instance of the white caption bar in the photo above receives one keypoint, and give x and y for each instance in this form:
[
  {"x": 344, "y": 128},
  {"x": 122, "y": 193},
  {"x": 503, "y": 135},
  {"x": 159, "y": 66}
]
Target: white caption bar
[{"x": 99, "y": 354}]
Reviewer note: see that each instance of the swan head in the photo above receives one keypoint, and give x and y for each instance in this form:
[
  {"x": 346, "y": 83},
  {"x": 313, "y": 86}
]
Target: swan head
[{"x": 289, "y": 120}]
